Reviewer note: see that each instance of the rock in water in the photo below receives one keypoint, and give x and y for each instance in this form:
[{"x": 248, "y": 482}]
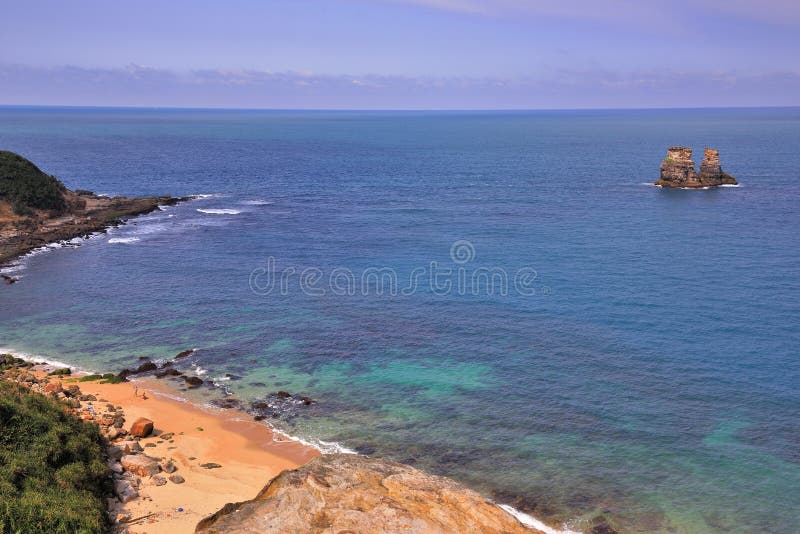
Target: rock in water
[
  {"x": 141, "y": 428},
  {"x": 710, "y": 171},
  {"x": 677, "y": 169},
  {"x": 350, "y": 493}
]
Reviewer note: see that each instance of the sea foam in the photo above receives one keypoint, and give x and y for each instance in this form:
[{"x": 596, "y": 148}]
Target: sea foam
[
  {"x": 42, "y": 360},
  {"x": 531, "y": 521},
  {"x": 219, "y": 211}
]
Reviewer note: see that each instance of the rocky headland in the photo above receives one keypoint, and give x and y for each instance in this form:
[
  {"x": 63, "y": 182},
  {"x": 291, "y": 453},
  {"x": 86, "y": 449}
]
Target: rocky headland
[
  {"x": 677, "y": 170},
  {"x": 350, "y": 493},
  {"x": 37, "y": 209}
]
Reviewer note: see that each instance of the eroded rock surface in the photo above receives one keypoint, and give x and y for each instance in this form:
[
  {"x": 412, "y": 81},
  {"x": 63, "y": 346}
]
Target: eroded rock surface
[
  {"x": 140, "y": 465},
  {"x": 141, "y": 428},
  {"x": 677, "y": 169},
  {"x": 350, "y": 493}
]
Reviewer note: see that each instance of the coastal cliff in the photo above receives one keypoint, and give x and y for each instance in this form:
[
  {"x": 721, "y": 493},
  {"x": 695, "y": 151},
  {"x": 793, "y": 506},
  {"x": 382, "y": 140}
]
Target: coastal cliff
[
  {"x": 37, "y": 209},
  {"x": 677, "y": 170},
  {"x": 350, "y": 493}
]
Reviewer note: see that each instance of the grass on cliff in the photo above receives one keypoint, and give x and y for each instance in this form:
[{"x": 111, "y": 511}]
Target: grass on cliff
[
  {"x": 26, "y": 187},
  {"x": 52, "y": 474}
]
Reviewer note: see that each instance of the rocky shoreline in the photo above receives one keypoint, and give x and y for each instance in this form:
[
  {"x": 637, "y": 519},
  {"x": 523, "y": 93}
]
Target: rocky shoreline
[
  {"x": 21, "y": 235},
  {"x": 164, "y": 465},
  {"x": 163, "y": 452}
]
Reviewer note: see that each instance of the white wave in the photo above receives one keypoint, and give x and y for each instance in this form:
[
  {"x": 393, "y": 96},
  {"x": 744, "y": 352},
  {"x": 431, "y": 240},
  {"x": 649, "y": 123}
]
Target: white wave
[
  {"x": 219, "y": 211},
  {"x": 35, "y": 358},
  {"x": 18, "y": 264},
  {"x": 164, "y": 394},
  {"x": 325, "y": 447},
  {"x": 125, "y": 240},
  {"x": 730, "y": 185},
  {"x": 530, "y": 521},
  {"x": 206, "y": 195},
  {"x": 12, "y": 268},
  {"x": 257, "y": 202},
  {"x": 147, "y": 229},
  {"x": 199, "y": 371}
]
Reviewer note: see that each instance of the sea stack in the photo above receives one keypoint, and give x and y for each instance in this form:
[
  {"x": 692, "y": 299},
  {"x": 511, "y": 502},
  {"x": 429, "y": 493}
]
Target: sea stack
[{"x": 677, "y": 169}]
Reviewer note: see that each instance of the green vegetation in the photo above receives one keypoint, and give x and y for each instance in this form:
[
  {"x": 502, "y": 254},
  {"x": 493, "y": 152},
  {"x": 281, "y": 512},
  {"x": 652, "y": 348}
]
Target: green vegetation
[
  {"x": 108, "y": 378},
  {"x": 9, "y": 361},
  {"x": 668, "y": 160},
  {"x": 26, "y": 187},
  {"x": 65, "y": 371},
  {"x": 52, "y": 474}
]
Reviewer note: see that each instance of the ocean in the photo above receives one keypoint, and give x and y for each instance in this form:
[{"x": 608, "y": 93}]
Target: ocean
[{"x": 499, "y": 297}]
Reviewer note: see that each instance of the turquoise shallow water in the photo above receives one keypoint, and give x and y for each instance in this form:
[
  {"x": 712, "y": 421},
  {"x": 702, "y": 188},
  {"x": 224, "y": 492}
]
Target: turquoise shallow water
[{"x": 651, "y": 376}]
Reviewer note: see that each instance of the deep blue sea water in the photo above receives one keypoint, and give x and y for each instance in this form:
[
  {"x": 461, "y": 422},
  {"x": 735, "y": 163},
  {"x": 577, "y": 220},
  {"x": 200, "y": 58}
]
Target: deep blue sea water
[{"x": 652, "y": 376}]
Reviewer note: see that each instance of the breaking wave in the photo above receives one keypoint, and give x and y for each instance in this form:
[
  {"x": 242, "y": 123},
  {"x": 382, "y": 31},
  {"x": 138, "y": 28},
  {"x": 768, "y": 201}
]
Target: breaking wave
[{"x": 219, "y": 211}]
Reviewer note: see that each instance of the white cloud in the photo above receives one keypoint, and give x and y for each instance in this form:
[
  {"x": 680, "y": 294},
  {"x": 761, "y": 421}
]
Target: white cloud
[
  {"x": 654, "y": 12},
  {"x": 142, "y": 86}
]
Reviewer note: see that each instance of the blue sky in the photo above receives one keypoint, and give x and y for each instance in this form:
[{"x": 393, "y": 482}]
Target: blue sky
[{"x": 401, "y": 53}]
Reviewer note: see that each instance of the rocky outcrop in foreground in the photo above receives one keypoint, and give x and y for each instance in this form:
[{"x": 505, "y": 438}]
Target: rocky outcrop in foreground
[
  {"x": 350, "y": 493},
  {"x": 677, "y": 169}
]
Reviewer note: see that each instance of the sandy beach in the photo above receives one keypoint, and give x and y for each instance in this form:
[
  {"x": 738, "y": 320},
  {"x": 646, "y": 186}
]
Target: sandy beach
[
  {"x": 249, "y": 452},
  {"x": 175, "y": 466}
]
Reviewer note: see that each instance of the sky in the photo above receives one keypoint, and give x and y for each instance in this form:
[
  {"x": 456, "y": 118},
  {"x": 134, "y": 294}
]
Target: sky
[{"x": 401, "y": 54}]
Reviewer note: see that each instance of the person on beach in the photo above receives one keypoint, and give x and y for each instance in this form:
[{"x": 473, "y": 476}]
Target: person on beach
[
  {"x": 144, "y": 395},
  {"x": 135, "y": 390}
]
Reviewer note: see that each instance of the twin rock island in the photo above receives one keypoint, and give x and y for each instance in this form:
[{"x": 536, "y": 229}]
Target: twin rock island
[{"x": 677, "y": 169}]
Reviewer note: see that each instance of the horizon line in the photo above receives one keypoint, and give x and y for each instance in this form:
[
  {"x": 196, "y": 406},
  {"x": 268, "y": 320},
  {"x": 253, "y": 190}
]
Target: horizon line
[{"x": 384, "y": 110}]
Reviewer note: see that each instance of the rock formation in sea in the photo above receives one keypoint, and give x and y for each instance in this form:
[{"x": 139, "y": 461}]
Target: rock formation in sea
[
  {"x": 351, "y": 493},
  {"x": 677, "y": 169},
  {"x": 710, "y": 171}
]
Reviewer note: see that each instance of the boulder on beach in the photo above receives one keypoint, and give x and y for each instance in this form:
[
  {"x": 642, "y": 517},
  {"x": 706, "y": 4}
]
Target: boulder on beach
[
  {"x": 350, "y": 493},
  {"x": 141, "y": 428},
  {"x": 140, "y": 465},
  {"x": 54, "y": 386},
  {"x": 168, "y": 466},
  {"x": 125, "y": 491}
]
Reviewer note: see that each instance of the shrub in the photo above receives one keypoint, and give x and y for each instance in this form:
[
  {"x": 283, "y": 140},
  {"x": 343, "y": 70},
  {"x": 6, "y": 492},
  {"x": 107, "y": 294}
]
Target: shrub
[
  {"x": 26, "y": 187},
  {"x": 108, "y": 378},
  {"x": 52, "y": 474}
]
